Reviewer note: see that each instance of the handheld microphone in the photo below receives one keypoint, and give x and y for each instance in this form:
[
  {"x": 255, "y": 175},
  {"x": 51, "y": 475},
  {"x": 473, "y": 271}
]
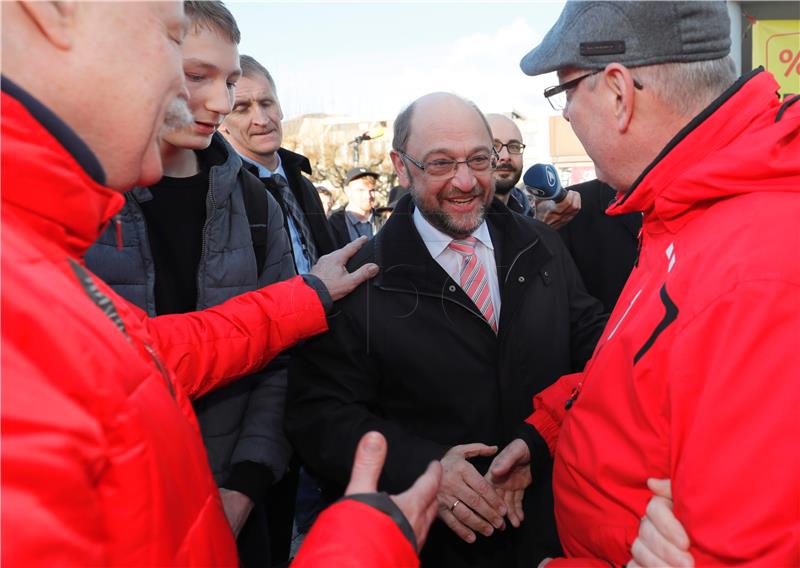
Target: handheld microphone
[{"x": 542, "y": 180}]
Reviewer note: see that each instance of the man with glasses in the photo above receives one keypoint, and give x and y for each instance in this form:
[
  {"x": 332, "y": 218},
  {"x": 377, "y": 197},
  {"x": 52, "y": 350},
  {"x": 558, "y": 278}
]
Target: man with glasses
[
  {"x": 509, "y": 148},
  {"x": 474, "y": 307},
  {"x": 696, "y": 377}
]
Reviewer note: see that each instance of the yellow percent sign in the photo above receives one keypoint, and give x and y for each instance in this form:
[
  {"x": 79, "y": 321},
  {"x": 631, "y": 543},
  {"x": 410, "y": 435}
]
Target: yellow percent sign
[{"x": 776, "y": 46}]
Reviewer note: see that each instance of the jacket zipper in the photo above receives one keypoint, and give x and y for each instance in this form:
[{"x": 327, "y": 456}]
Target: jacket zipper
[
  {"x": 118, "y": 229},
  {"x": 201, "y": 297}
]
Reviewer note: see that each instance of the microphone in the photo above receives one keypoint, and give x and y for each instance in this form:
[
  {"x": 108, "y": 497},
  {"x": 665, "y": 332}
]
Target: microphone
[{"x": 542, "y": 180}]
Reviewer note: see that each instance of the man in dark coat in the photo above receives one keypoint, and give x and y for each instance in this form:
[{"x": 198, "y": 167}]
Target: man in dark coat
[
  {"x": 474, "y": 306},
  {"x": 357, "y": 218},
  {"x": 254, "y": 129},
  {"x": 604, "y": 247}
]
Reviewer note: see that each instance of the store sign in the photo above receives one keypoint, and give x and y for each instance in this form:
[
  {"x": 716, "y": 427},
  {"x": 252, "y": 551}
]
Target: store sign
[{"x": 776, "y": 46}]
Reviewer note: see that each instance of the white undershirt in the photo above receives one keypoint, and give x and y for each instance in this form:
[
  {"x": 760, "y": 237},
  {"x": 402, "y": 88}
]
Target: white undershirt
[{"x": 436, "y": 243}]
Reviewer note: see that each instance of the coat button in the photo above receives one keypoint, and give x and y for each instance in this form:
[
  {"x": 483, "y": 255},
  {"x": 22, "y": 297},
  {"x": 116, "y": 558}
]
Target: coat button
[
  {"x": 451, "y": 288},
  {"x": 546, "y": 274},
  {"x": 521, "y": 279}
]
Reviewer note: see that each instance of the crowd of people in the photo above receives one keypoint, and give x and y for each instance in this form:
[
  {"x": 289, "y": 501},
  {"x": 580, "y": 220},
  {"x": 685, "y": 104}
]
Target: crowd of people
[{"x": 199, "y": 358}]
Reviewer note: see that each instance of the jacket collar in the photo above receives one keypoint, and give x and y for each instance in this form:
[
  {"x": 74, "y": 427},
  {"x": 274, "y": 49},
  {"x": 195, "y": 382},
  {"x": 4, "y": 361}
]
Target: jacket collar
[
  {"x": 52, "y": 182},
  {"x": 726, "y": 150},
  {"x": 293, "y": 161},
  {"x": 405, "y": 262},
  {"x": 222, "y": 175}
]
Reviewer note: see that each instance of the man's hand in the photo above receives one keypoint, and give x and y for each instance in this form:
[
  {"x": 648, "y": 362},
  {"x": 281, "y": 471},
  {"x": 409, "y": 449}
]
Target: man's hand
[
  {"x": 237, "y": 507},
  {"x": 467, "y": 502},
  {"x": 559, "y": 214},
  {"x": 662, "y": 541},
  {"x": 510, "y": 474},
  {"x": 333, "y": 273},
  {"x": 418, "y": 503}
]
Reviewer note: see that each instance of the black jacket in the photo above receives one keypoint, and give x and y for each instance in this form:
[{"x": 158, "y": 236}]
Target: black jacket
[
  {"x": 338, "y": 225},
  {"x": 409, "y": 354},
  {"x": 604, "y": 247}
]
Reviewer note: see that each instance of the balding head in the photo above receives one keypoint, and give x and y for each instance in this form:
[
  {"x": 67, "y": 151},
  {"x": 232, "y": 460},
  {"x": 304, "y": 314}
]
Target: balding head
[
  {"x": 107, "y": 69},
  {"x": 507, "y": 135},
  {"x": 430, "y": 135},
  {"x": 403, "y": 124}
]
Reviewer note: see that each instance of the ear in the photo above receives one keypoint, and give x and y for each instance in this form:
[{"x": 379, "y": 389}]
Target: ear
[
  {"x": 56, "y": 20},
  {"x": 619, "y": 80},
  {"x": 400, "y": 168}
]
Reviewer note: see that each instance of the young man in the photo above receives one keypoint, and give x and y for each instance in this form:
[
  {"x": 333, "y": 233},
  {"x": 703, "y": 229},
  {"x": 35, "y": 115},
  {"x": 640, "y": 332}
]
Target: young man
[
  {"x": 186, "y": 243},
  {"x": 357, "y": 217}
]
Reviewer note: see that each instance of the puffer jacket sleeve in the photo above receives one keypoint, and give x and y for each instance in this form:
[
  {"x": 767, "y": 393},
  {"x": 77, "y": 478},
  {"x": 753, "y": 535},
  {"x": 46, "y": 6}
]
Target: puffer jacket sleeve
[
  {"x": 210, "y": 348},
  {"x": 262, "y": 440},
  {"x": 51, "y": 512},
  {"x": 353, "y": 534}
]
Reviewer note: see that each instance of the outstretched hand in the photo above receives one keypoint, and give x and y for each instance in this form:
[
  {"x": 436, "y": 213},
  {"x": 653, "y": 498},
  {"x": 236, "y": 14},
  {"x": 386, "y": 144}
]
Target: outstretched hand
[
  {"x": 418, "y": 503},
  {"x": 510, "y": 474},
  {"x": 332, "y": 270}
]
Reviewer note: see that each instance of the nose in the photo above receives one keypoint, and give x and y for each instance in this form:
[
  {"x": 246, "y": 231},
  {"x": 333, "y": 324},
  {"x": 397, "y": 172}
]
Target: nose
[
  {"x": 565, "y": 112},
  {"x": 260, "y": 117},
  {"x": 220, "y": 101},
  {"x": 464, "y": 179}
]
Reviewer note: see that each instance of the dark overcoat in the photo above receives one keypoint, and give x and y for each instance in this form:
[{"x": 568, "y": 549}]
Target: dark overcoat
[{"x": 409, "y": 354}]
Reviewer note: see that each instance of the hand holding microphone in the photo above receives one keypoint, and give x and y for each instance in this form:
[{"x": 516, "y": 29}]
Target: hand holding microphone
[{"x": 555, "y": 205}]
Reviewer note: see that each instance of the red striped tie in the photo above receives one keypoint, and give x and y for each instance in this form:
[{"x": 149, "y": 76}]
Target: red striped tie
[{"x": 473, "y": 278}]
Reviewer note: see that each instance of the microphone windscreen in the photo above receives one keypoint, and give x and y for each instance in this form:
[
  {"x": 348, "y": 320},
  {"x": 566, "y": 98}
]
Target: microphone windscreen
[{"x": 542, "y": 180}]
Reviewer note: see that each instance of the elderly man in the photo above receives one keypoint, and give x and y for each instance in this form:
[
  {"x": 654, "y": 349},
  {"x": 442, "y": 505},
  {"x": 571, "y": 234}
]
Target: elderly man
[
  {"x": 103, "y": 463},
  {"x": 475, "y": 306},
  {"x": 695, "y": 378}
]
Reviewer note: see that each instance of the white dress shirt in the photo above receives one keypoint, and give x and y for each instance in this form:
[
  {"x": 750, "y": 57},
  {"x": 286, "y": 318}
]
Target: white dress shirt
[{"x": 436, "y": 242}]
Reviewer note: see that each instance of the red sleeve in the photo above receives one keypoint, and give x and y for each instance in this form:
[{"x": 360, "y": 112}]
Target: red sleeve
[
  {"x": 549, "y": 409},
  {"x": 210, "y": 348},
  {"x": 353, "y": 534},
  {"x": 52, "y": 455},
  {"x": 735, "y": 430}
]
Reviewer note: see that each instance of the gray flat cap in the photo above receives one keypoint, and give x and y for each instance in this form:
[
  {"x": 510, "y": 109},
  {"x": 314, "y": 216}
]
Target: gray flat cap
[{"x": 590, "y": 35}]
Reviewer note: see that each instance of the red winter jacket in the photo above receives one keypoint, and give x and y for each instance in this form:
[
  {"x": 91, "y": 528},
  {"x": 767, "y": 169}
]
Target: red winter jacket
[
  {"x": 102, "y": 459},
  {"x": 697, "y": 375}
]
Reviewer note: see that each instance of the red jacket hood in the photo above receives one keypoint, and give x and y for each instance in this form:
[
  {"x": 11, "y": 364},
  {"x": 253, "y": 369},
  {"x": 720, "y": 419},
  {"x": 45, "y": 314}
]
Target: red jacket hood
[
  {"x": 65, "y": 205},
  {"x": 709, "y": 160}
]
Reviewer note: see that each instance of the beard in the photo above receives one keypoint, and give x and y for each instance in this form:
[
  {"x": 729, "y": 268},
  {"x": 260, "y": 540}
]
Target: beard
[
  {"x": 178, "y": 116},
  {"x": 503, "y": 186},
  {"x": 444, "y": 222}
]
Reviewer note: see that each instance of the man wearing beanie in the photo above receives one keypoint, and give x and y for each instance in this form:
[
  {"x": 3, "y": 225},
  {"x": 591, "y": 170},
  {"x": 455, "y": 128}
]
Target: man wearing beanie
[{"x": 695, "y": 376}]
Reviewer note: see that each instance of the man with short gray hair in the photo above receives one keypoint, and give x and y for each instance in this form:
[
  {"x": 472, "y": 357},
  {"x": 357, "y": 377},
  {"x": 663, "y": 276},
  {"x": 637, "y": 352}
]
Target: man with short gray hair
[{"x": 695, "y": 378}]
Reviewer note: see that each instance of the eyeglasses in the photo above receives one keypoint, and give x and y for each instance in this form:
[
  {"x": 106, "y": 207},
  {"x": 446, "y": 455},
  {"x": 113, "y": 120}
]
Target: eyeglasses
[
  {"x": 513, "y": 147},
  {"x": 447, "y": 168},
  {"x": 557, "y": 96}
]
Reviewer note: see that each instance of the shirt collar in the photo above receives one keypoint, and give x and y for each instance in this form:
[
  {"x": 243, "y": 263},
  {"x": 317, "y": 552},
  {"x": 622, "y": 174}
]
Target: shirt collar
[
  {"x": 355, "y": 220},
  {"x": 437, "y": 241},
  {"x": 263, "y": 171}
]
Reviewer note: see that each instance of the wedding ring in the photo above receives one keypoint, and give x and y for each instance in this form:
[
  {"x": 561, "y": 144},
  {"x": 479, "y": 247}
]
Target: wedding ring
[{"x": 453, "y": 506}]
